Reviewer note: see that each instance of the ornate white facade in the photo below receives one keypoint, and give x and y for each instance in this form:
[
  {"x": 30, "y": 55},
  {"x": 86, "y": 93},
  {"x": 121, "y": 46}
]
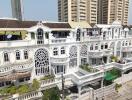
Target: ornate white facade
[{"x": 56, "y": 48}]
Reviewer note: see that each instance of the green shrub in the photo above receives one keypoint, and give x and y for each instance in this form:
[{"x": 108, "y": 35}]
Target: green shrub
[
  {"x": 35, "y": 85},
  {"x": 117, "y": 86},
  {"x": 48, "y": 77},
  {"x": 114, "y": 59},
  {"x": 87, "y": 68},
  {"x": 23, "y": 89},
  {"x": 51, "y": 94}
]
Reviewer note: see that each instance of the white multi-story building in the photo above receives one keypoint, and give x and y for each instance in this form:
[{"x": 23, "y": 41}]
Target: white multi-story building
[{"x": 31, "y": 49}]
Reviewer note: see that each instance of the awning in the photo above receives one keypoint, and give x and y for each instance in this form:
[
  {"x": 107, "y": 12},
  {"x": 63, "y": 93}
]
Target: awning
[{"x": 109, "y": 76}]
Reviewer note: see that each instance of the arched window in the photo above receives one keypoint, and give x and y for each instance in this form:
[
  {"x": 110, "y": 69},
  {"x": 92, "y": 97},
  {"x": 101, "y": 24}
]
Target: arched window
[
  {"x": 102, "y": 46},
  {"x": 40, "y": 38},
  {"x": 41, "y": 62},
  {"x": 6, "y": 57},
  {"x": 17, "y": 55},
  {"x": 123, "y": 44},
  {"x": 25, "y": 54},
  {"x": 96, "y": 47},
  {"x": 91, "y": 47},
  {"x": 83, "y": 54},
  {"x": 106, "y": 46},
  {"x": 78, "y": 34},
  {"x": 62, "y": 50},
  {"x": 55, "y": 51},
  {"x": 73, "y": 56}
]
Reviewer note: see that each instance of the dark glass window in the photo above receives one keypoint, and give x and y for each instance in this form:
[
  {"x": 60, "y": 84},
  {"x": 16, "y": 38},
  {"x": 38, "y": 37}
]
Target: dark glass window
[
  {"x": 17, "y": 55},
  {"x": 6, "y": 57}
]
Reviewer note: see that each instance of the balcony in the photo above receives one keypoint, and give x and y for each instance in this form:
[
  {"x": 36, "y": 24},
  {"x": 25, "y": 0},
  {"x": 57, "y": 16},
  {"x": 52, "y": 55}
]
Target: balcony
[
  {"x": 100, "y": 53},
  {"x": 126, "y": 49},
  {"x": 95, "y": 54},
  {"x": 28, "y": 96},
  {"x": 17, "y": 67},
  {"x": 107, "y": 52},
  {"x": 92, "y": 38},
  {"x": 59, "y": 60},
  {"x": 124, "y": 66},
  {"x": 83, "y": 76},
  {"x": 5, "y": 44}
]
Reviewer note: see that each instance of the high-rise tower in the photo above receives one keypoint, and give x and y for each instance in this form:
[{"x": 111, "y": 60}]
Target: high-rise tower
[
  {"x": 111, "y": 10},
  {"x": 77, "y": 11},
  {"x": 16, "y": 6}
]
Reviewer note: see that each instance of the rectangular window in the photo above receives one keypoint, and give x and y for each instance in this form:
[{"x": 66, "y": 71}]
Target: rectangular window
[
  {"x": 55, "y": 53},
  {"x": 17, "y": 55},
  {"x": 62, "y": 51},
  {"x": 25, "y": 54}
]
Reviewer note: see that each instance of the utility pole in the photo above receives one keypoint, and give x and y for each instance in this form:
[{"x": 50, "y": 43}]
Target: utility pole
[{"x": 63, "y": 80}]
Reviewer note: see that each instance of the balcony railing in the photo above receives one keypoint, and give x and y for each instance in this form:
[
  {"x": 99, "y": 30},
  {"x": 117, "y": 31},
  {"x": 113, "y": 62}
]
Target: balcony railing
[
  {"x": 16, "y": 43},
  {"x": 100, "y": 53},
  {"x": 59, "y": 60},
  {"x": 61, "y": 40},
  {"x": 126, "y": 49},
  {"x": 87, "y": 77},
  {"x": 124, "y": 66},
  {"x": 32, "y": 95},
  {"x": 18, "y": 67},
  {"x": 95, "y": 54}
]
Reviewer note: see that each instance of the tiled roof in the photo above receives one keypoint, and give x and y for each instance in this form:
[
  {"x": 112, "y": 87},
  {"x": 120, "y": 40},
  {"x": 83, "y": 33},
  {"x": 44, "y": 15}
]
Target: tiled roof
[
  {"x": 27, "y": 24},
  {"x": 16, "y": 24},
  {"x": 57, "y": 25}
]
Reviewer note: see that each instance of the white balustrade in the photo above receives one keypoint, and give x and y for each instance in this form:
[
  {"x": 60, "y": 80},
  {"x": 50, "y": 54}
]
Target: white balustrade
[
  {"x": 123, "y": 66},
  {"x": 17, "y": 43},
  {"x": 6, "y": 70},
  {"x": 127, "y": 49},
  {"x": 87, "y": 77},
  {"x": 28, "y": 96},
  {"x": 59, "y": 60}
]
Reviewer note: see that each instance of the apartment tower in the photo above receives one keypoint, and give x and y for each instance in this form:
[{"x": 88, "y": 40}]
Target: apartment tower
[
  {"x": 16, "y": 6},
  {"x": 77, "y": 11},
  {"x": 111, "y": 10}
]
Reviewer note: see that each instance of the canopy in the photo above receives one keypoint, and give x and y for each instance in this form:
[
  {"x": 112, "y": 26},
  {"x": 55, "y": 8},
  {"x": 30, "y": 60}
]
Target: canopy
[{"x": 109, "y": 76}]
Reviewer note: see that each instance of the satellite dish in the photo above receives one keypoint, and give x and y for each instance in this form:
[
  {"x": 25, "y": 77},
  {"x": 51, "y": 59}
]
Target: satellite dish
[{"x": 9, "y": 36}]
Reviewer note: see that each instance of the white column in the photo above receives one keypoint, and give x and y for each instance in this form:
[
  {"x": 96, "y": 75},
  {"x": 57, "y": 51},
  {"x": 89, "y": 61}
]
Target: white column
[{"x": 79, "y": 92}]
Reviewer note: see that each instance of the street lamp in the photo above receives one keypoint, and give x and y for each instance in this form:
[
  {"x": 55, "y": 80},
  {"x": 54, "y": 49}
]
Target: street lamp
[{"x": 63, "y": 80}]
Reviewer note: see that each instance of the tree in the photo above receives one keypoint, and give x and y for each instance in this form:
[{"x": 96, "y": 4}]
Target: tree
[
  {"x": 35, "y": 85},
  {"x": 23, "y": 89},
  {"x": 51, "y": 94}
]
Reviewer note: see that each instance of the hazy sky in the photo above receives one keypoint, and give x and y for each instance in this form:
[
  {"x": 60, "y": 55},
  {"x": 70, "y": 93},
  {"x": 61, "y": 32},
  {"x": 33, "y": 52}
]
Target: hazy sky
[{"x": 40, "y": 9}]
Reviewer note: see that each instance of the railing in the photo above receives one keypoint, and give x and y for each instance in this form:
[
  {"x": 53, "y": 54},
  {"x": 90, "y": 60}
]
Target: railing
[
  {"x": 58, "y": 40},
  {"x": 125, "y": 78},
  {"x": 126, "y": 49},
  {"x": 95, "y": 38},
  {"x": 105, "y": 66},
  {"x": 95, "y": 54},
  {"x": 59, "y": 60},
  {"x": 100, "y": 53},
  {"x": 104, "y": 91},
  {"x": 61, "y": 40},
  {"x": 123, "y": 66},
  {"x": 47, "y": 82},
  {"x": 16, "y": 43},
  {"x": 87, "y": 77},
  {"x": 92, "y": 38},
  {"x": 6, "y": 70},
  {"x": 28, "y": 96}
]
